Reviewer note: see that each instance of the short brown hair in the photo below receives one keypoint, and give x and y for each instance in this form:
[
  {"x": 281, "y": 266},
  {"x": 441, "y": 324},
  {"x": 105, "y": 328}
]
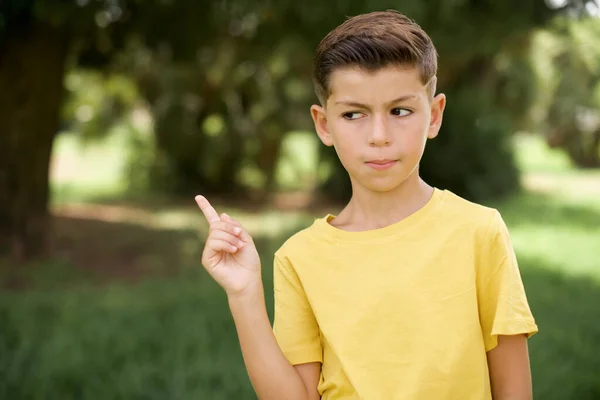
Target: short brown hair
[{"x": 373, "y": 41}]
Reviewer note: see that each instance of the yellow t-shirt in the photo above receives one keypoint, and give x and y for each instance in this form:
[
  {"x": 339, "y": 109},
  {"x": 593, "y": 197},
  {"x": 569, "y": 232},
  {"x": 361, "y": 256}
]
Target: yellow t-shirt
[{"x": 407, "y": 311}]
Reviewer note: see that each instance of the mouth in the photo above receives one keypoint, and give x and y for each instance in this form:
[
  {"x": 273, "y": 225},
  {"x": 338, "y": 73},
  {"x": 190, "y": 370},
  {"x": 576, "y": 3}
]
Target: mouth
[{"x": 381, "y": 164}]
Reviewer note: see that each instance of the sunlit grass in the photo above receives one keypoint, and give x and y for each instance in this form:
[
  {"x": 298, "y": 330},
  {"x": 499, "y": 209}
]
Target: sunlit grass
[
  {"x": 564, "y": 234},
  {"x": 533, "y": 155},
  {"x": 84, "y": 170},
  {"x": 298, "y": 168}
]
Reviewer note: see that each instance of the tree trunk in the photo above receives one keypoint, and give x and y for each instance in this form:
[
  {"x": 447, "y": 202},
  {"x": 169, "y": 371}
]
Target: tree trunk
[
  {"x": 269, "y": 154},
  {"x": 32, "y": 67}
]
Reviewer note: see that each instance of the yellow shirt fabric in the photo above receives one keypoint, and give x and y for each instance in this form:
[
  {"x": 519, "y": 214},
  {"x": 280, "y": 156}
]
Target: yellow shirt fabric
[{"x": 407, "y": 311}]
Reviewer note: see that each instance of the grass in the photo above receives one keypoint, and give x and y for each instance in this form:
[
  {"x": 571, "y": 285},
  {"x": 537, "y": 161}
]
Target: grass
[
  {"x": 160, "y": 340},
  {"x": 158, "y": 328},
  {"x": 85, "y": 170},
  {"x": 557, "y": 243}
]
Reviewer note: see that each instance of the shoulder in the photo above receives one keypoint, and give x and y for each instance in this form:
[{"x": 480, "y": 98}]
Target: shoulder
[
  {"x": 302, "y": 242},
  {"x": 485, "y": 225},
  {"x": 469, "y": 214},
  {"x": 459, "y": 205},
  {"x": 470, "y": 220}
]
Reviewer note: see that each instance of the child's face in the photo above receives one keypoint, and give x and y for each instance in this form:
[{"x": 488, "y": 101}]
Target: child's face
[{"x": 378, "y": 123}]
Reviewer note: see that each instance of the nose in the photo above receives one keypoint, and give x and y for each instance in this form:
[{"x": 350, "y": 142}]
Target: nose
[{"x": 379, "y": 134}]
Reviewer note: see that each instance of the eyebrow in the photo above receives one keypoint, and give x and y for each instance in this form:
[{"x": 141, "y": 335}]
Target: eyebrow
[{"x": 360, "y": 105}]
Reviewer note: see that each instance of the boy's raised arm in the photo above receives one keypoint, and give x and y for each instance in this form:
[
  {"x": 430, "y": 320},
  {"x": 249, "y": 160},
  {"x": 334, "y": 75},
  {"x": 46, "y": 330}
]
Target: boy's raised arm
[
  {"x": 231, "y": 258},
  {"x": 271, "y": 374}
]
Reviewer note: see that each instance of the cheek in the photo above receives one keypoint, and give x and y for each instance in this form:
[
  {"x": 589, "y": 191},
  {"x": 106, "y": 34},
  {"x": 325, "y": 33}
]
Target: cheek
[
  {"x": 346, "y": 149},
  {"x": 345, "y": 136},
  {"x": 414, "y": 135},
  {"x": 347, "y": 144}
]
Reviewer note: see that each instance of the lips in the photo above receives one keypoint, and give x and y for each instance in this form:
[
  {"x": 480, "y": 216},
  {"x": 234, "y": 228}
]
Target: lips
[{"x": 381, "y": 164}]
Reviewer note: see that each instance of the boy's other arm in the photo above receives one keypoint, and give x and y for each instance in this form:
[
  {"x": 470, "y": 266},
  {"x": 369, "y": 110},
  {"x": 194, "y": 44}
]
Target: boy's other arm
[
  {"x": 510, "y": 374},
  {"x": 271, "y": 374},
  {"x": 310, "y": 374}
]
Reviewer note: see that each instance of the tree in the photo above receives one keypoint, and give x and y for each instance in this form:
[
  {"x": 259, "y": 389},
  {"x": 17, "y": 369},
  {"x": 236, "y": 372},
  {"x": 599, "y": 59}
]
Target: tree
[
  {"x": 39, "y": 41},
  {"x": 29, "y": 118},
  {"x": 568, "y": 104},
  {"x": 224, "y": 80}
]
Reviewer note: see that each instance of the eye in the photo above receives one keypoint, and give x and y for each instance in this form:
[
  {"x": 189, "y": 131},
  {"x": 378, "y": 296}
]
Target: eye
[
  {"x": 352, "y": 115},
  {"x": 401, "y": 112}
]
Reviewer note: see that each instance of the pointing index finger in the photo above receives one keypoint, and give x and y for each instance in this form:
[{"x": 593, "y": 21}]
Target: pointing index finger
[{"x": 208, "y": 210}]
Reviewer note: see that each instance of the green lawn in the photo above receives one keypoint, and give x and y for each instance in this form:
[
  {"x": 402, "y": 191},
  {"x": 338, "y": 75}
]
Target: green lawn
[{"x": 170, "y": 336}]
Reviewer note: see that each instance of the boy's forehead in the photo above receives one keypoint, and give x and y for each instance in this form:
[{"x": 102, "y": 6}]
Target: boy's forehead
[{"x": 357, "y": 83}]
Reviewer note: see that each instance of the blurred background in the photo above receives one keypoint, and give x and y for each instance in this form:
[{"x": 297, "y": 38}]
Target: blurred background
[{"x": 115, "y": 113}]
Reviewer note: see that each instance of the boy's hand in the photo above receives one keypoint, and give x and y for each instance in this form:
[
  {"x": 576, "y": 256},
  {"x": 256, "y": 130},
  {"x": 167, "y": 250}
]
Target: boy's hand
[{"x": 229, "y": 255}]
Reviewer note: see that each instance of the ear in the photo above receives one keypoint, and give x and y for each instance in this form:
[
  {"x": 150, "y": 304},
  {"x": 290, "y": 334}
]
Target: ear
[
  {"x": 319, "y": 117},
  {"x": 438, "y": 104}
]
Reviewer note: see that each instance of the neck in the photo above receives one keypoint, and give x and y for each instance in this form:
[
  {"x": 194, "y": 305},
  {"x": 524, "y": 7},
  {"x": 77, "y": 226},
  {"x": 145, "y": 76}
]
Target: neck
[{"x": 372, "y": 210}]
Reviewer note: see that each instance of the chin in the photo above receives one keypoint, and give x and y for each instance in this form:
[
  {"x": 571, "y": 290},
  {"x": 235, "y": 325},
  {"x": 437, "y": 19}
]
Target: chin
[{"x": 383, "y": 185}]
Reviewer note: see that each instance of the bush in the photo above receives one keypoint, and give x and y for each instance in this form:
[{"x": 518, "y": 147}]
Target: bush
[{"x": 472, "y": 155}]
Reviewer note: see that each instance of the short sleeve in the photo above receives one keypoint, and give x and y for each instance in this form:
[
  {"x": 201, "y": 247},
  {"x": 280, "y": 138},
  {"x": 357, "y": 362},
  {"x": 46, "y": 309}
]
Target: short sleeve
[
  {"x": 502, "y": 301},
  {"x": 294, "y": 324}
]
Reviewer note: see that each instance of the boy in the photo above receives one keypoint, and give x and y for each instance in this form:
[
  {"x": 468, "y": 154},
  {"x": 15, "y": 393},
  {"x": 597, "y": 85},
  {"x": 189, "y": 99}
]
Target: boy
[{"x": 411, "y": 292}]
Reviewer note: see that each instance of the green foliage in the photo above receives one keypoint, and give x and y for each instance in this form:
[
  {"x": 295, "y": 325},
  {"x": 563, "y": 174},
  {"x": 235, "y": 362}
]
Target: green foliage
[
  {"x": 225, "y": 81},
  {"x": 225, "y": 115},
  {"x": 97, "y": 103},
  {"x": 568, "y": 104}
]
